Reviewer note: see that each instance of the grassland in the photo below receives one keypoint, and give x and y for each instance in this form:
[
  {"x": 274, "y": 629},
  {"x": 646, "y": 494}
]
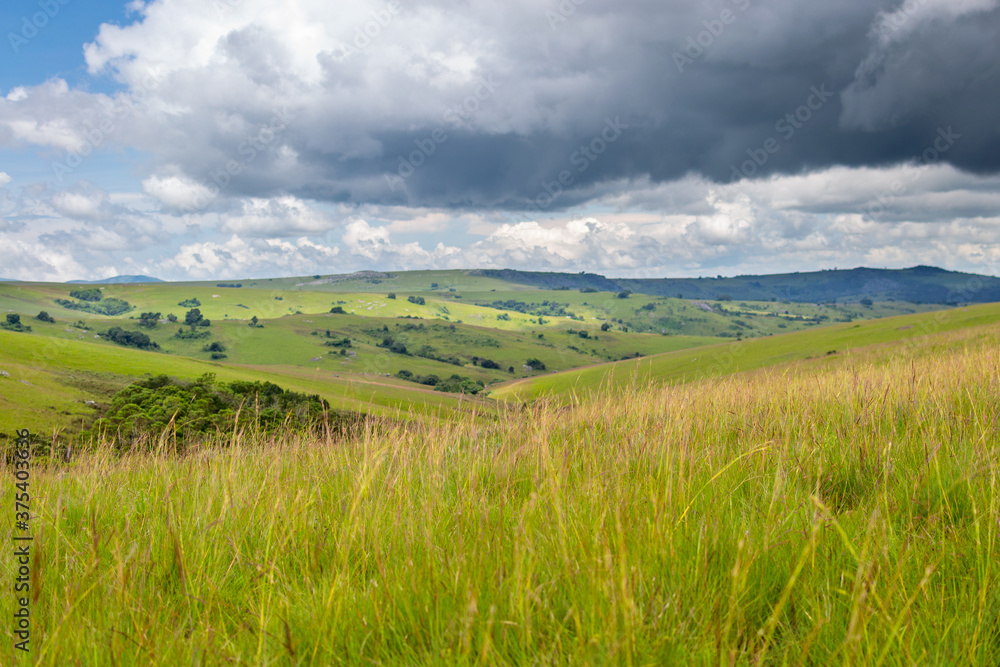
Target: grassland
[
  {"x": 724, "y": 358},
  {"x": 61, "y": 374},
  {"x": 837, "y": 510}
]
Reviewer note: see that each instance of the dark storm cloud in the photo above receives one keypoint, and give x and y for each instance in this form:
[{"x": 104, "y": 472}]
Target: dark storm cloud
[
  {"x": 508, "y": 104},
  {"x": 782, "y": 88}
]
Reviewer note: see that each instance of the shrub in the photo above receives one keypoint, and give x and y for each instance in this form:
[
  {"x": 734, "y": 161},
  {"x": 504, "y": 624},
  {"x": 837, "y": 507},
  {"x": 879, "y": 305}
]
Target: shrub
[
  {"x": 418, "y": 300},
  {"x": 189, "y": 303},
  {"x": 43, "y": 316},
  {"x": 393, "y": 345},
  {"x": 535, "y": 364},
  {"x": 338, "y": 310},
  {"x": 192, "y": 334},
  {"x": 193, "y": 409},
  {"x": 193, "y": 318},
  {"x": 391, "y": 295},
  {"x": 149, "y": 320},
  {"x": 135, "y": 339},
  {"x": 110, "y": 307},
  {"x": 13, "y": 323},
  {"x": 214, "y": 347},
  {"x": 89, "y": 294}
]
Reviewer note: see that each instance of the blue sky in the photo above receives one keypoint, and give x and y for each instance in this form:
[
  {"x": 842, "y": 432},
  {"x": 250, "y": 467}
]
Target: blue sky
[
  {"x": 239, "y": 138},
  {"x": 56, "y": 49}
]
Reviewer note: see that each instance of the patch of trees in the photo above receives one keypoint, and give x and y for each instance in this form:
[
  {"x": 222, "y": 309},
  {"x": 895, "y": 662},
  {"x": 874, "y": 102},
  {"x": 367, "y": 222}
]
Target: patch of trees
[
  {"x": 337, "y": 342},
  {"x": 338, "y": 310},
  {"x": 456, "y": 384},
  {"x": 43, "y": 316},
  {"x": 535, "y": 364},
  {"x": 217, "y": 349},
  {"x": 193, "y": 318},
  {"x": 393, "y": 345},
  {"x": 89, "y": 294},
  {"x": 149, "y": 320},
  {"x": 110, "y": 306},
  {"x": 191, "y": 334},
  {"x": 125, "y": 338},
  {"x": 13, "y": 323},
  {"x": 229, "y": 284},
  {"x": 485, "y": 363},
  {"x": 391, "y": 295},
  {"x": 550, "y": 308},
  {"x": 583, "y": 333},
  {"x": 417, "y": 300},
  {"x": 428, "y": 352},
  {"x": 192, "y": 410},
  {"x": 189, "y": 303}
]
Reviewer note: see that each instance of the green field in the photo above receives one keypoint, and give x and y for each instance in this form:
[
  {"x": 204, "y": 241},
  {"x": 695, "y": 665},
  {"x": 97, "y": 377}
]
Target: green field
[
  {"x": 839, "y": 509},
  {"x": 725, "y": 358},
  {"x": 61, "y": 374}
]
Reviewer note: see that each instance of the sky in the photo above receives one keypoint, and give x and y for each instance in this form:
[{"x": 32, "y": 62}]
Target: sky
[{"x": 221, "y": 139}]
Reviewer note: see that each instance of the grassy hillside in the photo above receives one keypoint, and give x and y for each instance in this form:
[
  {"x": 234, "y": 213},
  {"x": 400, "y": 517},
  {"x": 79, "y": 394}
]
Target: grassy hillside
[
  {"x": 56, "y": 385},
  {"x": 393, "y": 338},
  {"x": 842, "y": 510},
  {"x": 921, "y": 284},
  {"x": 722, "y": 359}
]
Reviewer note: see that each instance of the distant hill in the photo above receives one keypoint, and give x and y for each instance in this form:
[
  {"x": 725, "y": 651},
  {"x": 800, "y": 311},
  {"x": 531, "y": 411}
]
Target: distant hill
[
  {"x": 118, "y": 280},
  {"x": 919, "y": 284}
]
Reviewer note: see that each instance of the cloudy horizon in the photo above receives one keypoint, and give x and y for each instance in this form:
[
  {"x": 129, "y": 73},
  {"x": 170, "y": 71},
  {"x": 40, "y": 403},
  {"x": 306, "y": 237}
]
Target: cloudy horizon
[{"x": 220, "y": 139}]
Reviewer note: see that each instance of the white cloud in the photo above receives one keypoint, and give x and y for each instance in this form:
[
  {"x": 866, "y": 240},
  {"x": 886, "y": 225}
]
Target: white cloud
[
  {"x": 80, "y": 205},
  {"x": 239, "y": 257},
  {"x": 177, "y": 192},
  {"x": 281, "y": 216}
]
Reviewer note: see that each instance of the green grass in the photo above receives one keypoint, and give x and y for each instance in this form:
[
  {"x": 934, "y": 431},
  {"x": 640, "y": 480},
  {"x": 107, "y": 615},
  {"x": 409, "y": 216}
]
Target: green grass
[
  {"x": 842, "y": 510},
  {"x": 725, "y": 358},
  {"x": 51, "y": 379},
  {"x": 291, "y": 310}
]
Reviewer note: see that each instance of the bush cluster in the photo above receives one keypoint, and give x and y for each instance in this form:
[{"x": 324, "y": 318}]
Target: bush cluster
[
  {"x": 135, "y": 339},
  {"x": 203, "y": 407}
]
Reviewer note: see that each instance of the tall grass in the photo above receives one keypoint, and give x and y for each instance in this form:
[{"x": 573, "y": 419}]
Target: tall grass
[{"x": 843, "y": 512}]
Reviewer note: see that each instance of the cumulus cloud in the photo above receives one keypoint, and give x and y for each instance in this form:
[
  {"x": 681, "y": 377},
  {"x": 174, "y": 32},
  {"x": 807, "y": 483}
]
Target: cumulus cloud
[
  {"x": 81, "y": 205},
  {"x": 238, "y": 257},
  {"x": 422, "y": 134},
  {"x": 281, "y": 216},
  {"x": 480, "y": 107}
]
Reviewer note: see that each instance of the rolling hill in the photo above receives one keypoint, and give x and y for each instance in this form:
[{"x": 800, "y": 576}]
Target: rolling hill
[{"x": 400, "y": 342}]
